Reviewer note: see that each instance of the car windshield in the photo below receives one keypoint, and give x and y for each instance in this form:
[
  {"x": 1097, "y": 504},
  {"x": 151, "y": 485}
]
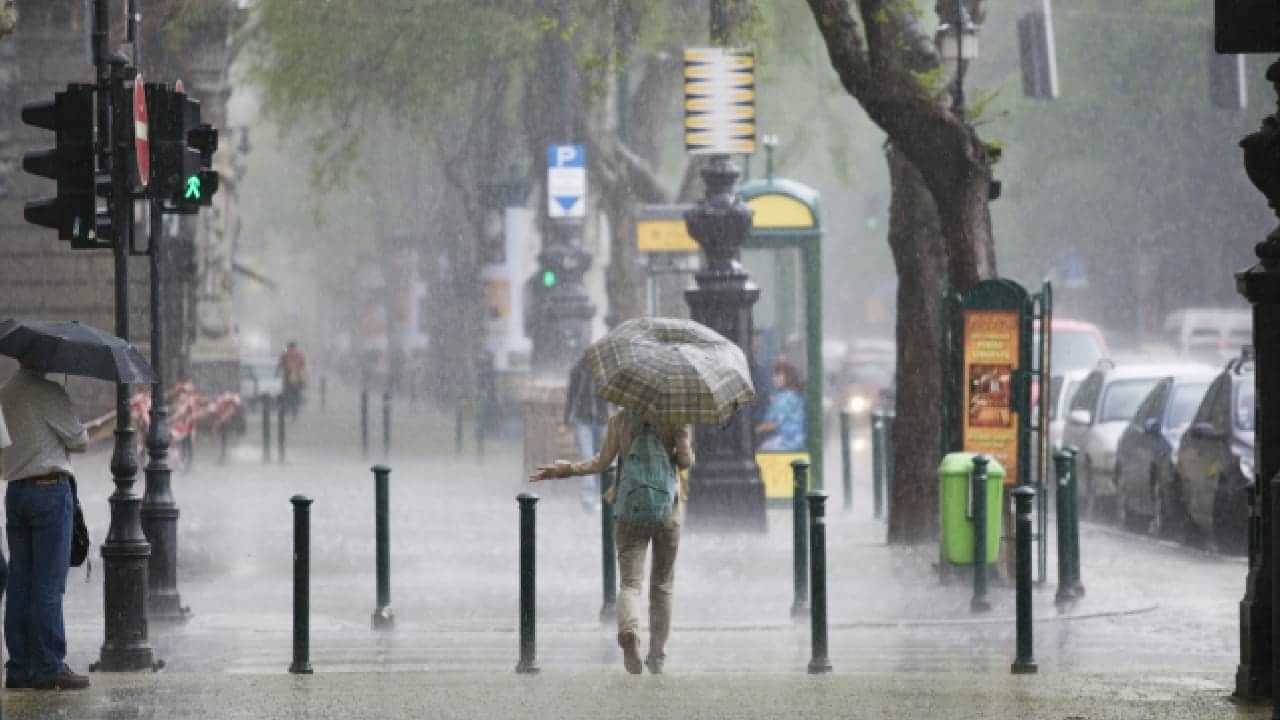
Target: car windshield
[
  {"x": 1123, "y": 397},
  {"x": 1244, "y": 406},
  {"x": 1186, "y": 399},
  {"x": 1074, "y": 350}
]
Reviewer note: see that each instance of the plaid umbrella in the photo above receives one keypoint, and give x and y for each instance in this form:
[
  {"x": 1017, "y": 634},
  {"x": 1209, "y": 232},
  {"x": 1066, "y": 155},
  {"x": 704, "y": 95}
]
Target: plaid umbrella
[{"x": 671, "y": 371}]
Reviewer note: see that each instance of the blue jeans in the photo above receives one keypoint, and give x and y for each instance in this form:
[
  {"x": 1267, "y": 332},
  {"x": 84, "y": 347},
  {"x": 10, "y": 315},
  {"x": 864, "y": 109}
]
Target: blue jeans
[{"x": 39, "y": 518}]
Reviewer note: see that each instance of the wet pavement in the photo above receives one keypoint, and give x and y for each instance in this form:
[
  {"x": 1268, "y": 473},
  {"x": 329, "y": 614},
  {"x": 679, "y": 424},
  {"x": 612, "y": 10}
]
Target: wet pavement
[{"x": 1155, "y": 636}]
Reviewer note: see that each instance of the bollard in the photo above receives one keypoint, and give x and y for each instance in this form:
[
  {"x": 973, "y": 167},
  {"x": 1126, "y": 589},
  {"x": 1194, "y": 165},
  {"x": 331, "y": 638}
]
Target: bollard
[
  {"x": 1069, "y": 587},
  {"x": 222, "y": 444},
  {"x": 280, "y": 430},
  {"x": 482, "y": 415},
  {"x": 846, "y": 458},
  {"x": 1024, "y": 662},
  {"x": 608, "y": 552},
  {"x": 877, "y": 461},
  {"x": 457, "y": 429},
  {"x": 819, "y": 663},
  {"x": 800, "y": 537},
  {"x": 301, "y": 585},
  {"x": 386, "y": 424},
  {"x": 886, "y": 496},
  {"x": 978, "y": 491},
  {"x": 324, "y": 391},
  {"x": 266, "y": 428},
  {"x": 383, "y": 618},
  {"x": 364, "y": 422},
  {"x": 528, "y": 582}
]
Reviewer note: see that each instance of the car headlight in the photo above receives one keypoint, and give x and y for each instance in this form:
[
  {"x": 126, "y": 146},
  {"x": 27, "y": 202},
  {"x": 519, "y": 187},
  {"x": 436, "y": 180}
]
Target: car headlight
[{"x": 859, "y": 404}]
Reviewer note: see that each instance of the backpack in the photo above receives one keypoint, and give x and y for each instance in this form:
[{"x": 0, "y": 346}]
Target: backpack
[{"x": 647, "y": 486}]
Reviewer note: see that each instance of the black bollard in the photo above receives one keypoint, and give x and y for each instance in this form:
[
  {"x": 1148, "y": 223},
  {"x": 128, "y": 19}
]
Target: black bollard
[
  {"x": 457, "y": 428},
  {"x": 528, "y": 642},
  {"x": 280, "y": 430},
  {"x": 383, "y": 618},
  {"x": 1069, "y": 587},
  {"x": 324, "y": 391},
  {"x": 386, "y": 424},
  {"x": 890, "y": 418},
  {"x": 819, "y": 663},
  {"x": 222, "y": 444},
  {"x": 301, "y": 585},
  {"x": 608, "y": 552},
  {"x": 1025, "y": 661},
  {"x": 800, "y": 537},
  {"x": 846, "y": 457},
  {"x": 482, "y": 415},
  {"x": 266, "y": 427},
  {"x": 364, "y": 422},
  {"x": 877, "y": 462},
  {"x": 978, "y": 491}
]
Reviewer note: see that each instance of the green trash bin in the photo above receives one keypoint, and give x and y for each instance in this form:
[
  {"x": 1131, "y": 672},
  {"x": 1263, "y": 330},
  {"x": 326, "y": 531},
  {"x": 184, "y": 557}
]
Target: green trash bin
[{"x": 955, "y": 499}]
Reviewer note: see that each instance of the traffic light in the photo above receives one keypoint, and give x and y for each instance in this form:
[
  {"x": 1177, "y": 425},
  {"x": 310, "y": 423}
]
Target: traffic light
[
  {"x": 549, "y": 279},
  {"x": 1246, "y": 26},
  {"x": 73, "y": 212},
  {"x": 182, "y": 149}
]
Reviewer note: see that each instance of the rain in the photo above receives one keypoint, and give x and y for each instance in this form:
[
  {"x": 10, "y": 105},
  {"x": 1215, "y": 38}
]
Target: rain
[{"x": 641, "y": 359}]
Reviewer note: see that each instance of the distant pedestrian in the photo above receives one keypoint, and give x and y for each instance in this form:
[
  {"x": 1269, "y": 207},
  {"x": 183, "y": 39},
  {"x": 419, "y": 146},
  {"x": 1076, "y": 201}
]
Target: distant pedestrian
[
  {"x": 587, "y": 415},
  {"x": 39, "y": 512},
  {"x": 292, "y": 367},
  {"x": 649, "y": 456},
  {"x": 784, "y": 419}
]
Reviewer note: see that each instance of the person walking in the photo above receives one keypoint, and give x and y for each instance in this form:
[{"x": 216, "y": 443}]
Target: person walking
[
  {"x": 293, "y": 368},
  {"x": 649, "y": 501},
  {"x": 587, "y": 415},
  {"x": 39, "y": 511}
]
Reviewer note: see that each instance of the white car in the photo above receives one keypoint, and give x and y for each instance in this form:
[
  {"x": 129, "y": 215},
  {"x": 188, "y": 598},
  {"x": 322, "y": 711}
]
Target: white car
[
  {"x": 1062, "y": 388},
  {"x": 1099, "y": 413},
  {"x": 258, "y": 378}
]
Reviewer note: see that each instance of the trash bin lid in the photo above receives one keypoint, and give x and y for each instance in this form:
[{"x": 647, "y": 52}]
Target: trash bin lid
[{"x": 961, "y": 463}]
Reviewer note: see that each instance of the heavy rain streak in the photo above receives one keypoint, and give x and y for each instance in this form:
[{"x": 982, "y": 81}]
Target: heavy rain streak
[{"x": 639, "y": 359}]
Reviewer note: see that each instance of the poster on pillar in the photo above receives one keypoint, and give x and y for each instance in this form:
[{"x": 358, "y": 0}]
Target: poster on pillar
[{"x": 991, "y": 356}]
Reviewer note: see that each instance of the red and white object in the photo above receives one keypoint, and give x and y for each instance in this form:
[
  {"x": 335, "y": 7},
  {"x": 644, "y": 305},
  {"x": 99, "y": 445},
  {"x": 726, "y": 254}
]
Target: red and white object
[{"x": 141, "y": 138}]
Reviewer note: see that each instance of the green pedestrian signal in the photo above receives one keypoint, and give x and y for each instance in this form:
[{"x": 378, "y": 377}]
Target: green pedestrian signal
[
  {"x": 193, "y": 188},
  {"x": 548, "y": 278}
]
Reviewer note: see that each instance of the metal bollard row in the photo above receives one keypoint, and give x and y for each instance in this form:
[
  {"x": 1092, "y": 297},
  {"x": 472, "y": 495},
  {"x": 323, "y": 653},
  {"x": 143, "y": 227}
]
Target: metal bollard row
[
  {"x": 978, "y": 490},
  {"x": 819, "y": 662},
  {"x": 1024, "y": 662},
  {"x": 301, "y": 585},
  {"x": 528, "y": 663},
  {"x": 1070, "y": 587},
  {"x": 846, "y": 458},
  {"x": 383, "y": 618}
]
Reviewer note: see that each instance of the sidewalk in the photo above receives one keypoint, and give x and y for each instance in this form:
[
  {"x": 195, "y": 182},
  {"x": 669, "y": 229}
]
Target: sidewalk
[{"x": 902, "y": 645}]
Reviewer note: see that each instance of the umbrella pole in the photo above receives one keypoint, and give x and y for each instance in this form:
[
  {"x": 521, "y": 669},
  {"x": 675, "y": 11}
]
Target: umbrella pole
[{"x": 159, "y": 509}]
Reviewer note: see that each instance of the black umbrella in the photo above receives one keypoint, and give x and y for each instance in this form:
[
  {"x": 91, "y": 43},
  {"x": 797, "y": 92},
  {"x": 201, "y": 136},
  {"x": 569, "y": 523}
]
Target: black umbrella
[{"x": 73, "y": 349}]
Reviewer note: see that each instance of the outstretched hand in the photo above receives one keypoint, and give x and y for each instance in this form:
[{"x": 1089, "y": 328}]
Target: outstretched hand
[{"x": 550, "y": 472}]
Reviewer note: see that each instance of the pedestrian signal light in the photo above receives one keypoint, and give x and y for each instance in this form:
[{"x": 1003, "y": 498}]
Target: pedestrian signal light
[
  {"x": 193, "y": 188},
  {"x": 549, "y": 278}
]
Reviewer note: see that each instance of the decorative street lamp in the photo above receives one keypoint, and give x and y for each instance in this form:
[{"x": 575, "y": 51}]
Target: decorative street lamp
[{"x": 957, "y": 41}]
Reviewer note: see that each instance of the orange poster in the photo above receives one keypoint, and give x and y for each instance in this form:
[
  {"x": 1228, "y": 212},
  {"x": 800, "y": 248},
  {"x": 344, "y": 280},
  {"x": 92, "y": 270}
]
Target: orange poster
[{"x": 990, "y": 359}]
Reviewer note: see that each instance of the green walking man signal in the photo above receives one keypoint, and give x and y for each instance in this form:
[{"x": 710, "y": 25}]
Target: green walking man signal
[
  {"x": 548, "y": 278},
  {"x": 193, "y": 188}
]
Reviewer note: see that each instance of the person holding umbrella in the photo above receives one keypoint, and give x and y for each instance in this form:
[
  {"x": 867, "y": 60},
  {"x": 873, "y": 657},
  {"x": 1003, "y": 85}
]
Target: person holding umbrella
[
  {"x": 666, "y": 375},
  {"x": 40, "y": 496}
]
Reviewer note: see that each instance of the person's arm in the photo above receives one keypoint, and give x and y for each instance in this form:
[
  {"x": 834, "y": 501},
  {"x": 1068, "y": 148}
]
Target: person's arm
[
  {"x": 597, "y": 464},
  {"x": 683, "y": 449},
  {"x": 61, "y": 418}
]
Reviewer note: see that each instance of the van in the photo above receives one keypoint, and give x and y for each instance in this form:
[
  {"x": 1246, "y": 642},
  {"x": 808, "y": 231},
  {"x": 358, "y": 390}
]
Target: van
[{"x": 1212, "y": 335}]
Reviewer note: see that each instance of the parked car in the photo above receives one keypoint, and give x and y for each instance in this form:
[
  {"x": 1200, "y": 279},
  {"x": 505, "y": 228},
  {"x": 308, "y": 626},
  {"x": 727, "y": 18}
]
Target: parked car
[
  {"x": 1077, "y": 345},
  {"x": 258, "y": 378},
  {"x": 1215, "y": 471},
  {"x": 1100, "y": 411},
  {"x": 1213, "y": 335},
  {"x": 864, "y": 378},
  {"x": 1148, "y": 449},
  {"x": 1062, "y": 388}
]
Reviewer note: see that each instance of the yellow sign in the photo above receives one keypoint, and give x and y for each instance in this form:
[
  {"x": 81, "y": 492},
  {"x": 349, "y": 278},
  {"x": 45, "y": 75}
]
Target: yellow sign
[
  {"x": 990, "y": 359},
  {"x": 776, "y": 473},
  {"x": 780, "y": 211},
  {"x": 719, "y": 101},
  {"x": 664, "y": 235}
]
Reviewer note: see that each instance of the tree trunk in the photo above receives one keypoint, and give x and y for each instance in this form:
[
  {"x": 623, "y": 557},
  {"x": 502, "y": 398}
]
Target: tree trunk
[{"x": 915, "y": 239}]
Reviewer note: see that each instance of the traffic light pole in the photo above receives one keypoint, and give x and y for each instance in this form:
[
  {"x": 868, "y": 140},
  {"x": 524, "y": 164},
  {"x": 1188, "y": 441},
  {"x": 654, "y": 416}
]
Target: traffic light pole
[
  {"x": 126, "y": 550},
  {"x": 159, "y": 509}
]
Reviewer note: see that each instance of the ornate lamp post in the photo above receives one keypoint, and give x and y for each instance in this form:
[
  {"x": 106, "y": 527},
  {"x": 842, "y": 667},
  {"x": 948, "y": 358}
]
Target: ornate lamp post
[
  {"x": 725, "y": 482},
  {"x": 1260, "y": 285}
]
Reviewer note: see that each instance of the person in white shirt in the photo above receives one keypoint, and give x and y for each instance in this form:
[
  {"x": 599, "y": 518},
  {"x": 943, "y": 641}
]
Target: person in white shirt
[{"x": 39, "y": 509}]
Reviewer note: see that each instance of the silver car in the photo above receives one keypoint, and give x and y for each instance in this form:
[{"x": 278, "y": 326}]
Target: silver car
[{"x": 1098, "y": 416}]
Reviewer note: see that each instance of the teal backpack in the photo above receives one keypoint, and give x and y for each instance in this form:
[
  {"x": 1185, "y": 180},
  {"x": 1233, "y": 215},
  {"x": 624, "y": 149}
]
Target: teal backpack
[{"x": 647, "y": 487}]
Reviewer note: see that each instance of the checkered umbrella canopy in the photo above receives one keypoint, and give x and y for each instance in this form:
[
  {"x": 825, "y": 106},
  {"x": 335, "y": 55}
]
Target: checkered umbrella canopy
[{"x": 671, "y": 371}]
